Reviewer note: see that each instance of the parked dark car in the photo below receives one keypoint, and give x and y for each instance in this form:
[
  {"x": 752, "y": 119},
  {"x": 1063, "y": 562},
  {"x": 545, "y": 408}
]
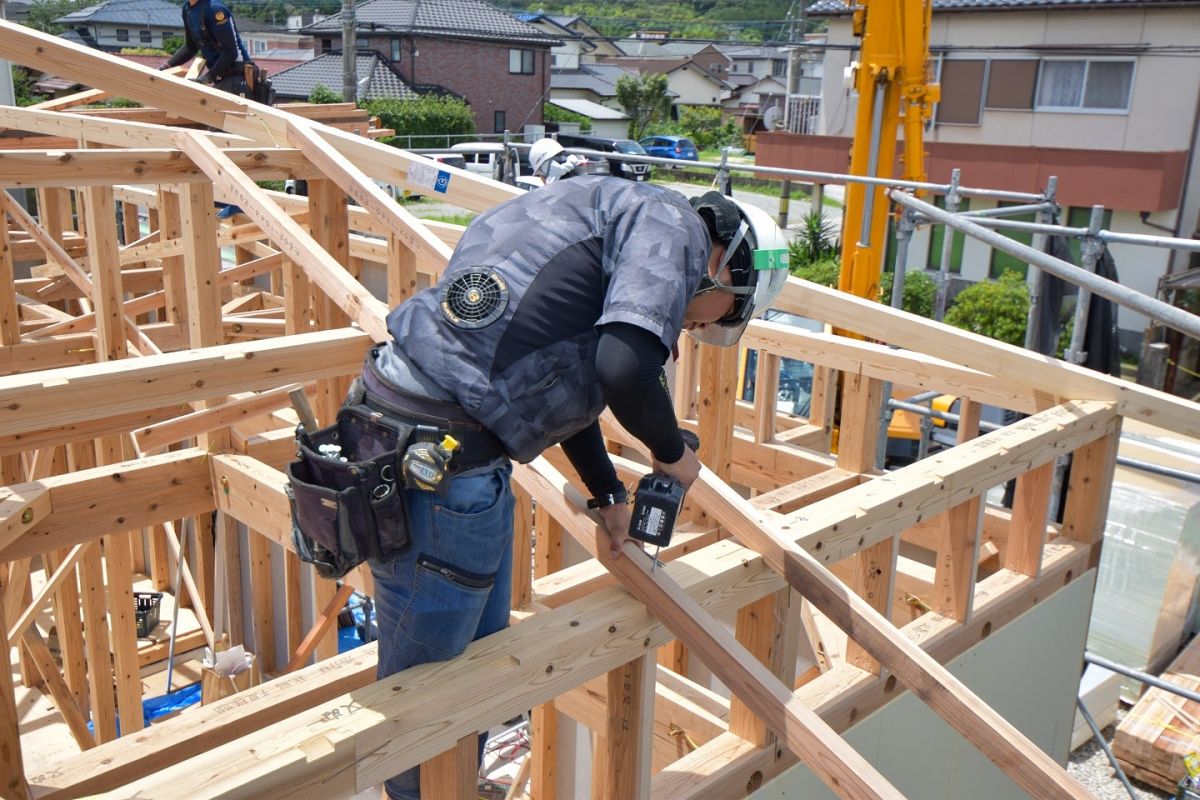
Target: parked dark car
[
  {"x": 621, "y": 169},
  {"x": 679, "y": 147}
]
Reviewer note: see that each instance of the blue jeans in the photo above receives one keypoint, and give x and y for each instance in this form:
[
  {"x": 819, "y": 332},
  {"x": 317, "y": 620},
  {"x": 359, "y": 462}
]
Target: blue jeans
[{"x": 452, "y": 585}]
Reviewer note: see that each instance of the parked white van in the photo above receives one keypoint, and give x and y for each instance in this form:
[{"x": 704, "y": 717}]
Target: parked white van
[{"x": 481, "y": 157}]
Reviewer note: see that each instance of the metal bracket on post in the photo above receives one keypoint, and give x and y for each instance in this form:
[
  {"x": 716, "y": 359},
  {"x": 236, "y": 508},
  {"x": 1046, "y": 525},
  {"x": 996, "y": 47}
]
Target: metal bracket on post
[
  {"x": 943, "y": 279},
  {"x": 1035, "y": 277},
  {"x": 724, "y": 183}
]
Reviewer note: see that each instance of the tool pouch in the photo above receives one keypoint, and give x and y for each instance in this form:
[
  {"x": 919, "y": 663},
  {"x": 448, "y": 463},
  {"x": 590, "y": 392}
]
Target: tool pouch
[{"x": 344, "y": 512}]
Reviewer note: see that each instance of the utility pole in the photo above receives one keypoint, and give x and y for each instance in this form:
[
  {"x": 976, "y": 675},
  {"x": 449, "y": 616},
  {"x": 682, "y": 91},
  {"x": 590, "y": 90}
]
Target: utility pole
[{"x": 349, "y": 54}]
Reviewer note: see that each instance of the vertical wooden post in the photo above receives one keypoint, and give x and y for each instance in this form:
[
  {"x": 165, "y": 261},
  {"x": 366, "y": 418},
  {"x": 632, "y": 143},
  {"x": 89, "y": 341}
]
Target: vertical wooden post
[
  {"x": 170, "y": 228},
  {"x": 718, "y": 385},
  {"x": 686, "y": 369},
  {"x": 958, "y": 551},
  {"x": 858, "y": 442},
  {"x": 131, "y": 229},
  {"x": 1088, "y": 492},
  {"x": 543, "y": 724},
  {"x": 769, "y": 628},
  {"x": 823, "y": 401},
  {"x": 262, "y": 602},
  {"x": 95, "y": 621},
  {"x": 297, "y": 299},
  {"x": 104, "y": 259},
  {"x": 1027, "y": 531},
  {"x": 70, "y": 629},
  {"x": 329, "y": 223},
  {"x": 10, "y": 328},
  {"x": 522, "y": 562},
  {"x": 401, "y": 271},
  {"x": 623, "y": 763},
  {"x": 12, "y": 765},
  {"x": 453, "y": 775},
  {"x": 766, "y": 393}
]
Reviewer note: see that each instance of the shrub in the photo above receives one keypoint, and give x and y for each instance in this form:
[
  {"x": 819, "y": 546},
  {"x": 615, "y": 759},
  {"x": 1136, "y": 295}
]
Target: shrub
[
  {"x": 430, "y": 115},
  {"x": 997, "y": 310},
  {"x": 323, "y": 94},
  {"x": 816, "y": 241},
  {"x": 824, "y": 271},
  {"x": 920, "y": 290}
]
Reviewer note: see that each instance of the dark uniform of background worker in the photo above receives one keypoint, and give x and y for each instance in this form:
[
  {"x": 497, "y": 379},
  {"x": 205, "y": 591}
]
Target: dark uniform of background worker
[
  {"x": 209, "y": 29},
  {"x": 554, "y": 305}
]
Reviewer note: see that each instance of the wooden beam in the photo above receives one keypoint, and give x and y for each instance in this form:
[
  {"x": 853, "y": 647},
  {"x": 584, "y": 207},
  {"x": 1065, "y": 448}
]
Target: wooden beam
[
  {"x": 1030, "y": 513},
  {"x": 293, "y": 240},
  {"x": 321, "y": 626},
  {"x": 622, "y": 768},
  {"x": 1042, "y": 376},
  {"x": 160, "y": 434},
  {"x": 841, "y": 769},
  {"x": 13, "y": 785},
  {"x": 846, "y": 695},
  {"x": 152, "y": 490},
  {"x": 10, "y": 332},
  {"x": 958, "y": 549},
  {"x": 35, "y": 400},
  {"x": 454, "y": 774},
  {"x": 71, "y": 168}
]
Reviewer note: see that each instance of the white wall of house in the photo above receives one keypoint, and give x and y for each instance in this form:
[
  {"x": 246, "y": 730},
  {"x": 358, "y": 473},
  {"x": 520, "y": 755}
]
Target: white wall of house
[
  {"x": 132, "y": 35},
  {"x": 694, "y": 88}
]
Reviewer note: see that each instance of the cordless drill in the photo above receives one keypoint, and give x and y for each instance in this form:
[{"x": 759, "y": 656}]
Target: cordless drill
[{"x": 657, "y": 503}]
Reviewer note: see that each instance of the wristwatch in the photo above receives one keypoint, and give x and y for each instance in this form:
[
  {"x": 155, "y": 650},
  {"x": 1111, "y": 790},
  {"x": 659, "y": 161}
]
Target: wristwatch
[{"x": 610, "y": 499}]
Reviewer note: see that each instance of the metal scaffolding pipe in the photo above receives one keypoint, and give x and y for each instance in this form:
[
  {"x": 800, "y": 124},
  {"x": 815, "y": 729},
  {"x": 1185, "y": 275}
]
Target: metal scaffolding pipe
[
  {"x": 1169, "y": 315},
  {"x": 1138, "y": 675}
]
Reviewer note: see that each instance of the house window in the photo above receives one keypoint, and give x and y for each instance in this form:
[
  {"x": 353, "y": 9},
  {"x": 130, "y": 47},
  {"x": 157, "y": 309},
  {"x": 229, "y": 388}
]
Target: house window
[
  {"x": 498, "y": 122},
  {"x": 122, "y": 35},
  {"x": 937, "y": 234},
  {"x": 1002, "y": 262},
  {"x": 1011, "y": 83},
  {"x": 326, "y": 45},
  {"x": 361, "y": 43},
  {"x": 1078, "y": 84},
  {"x": 962, "y": 91},
  {"x": 260, "y": 46},
  {"x": 146, "y": 37},
  {"x": 778, "y": 67},
  {"x": 749, "y": 66},
  {"x": 520, "y": 62}
]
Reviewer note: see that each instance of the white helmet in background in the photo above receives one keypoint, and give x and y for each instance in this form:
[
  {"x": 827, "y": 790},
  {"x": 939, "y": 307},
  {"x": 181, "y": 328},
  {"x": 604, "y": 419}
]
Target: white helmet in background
[
  {"x": 542, "y": 154},
  {"x": 754, "y": 267}
]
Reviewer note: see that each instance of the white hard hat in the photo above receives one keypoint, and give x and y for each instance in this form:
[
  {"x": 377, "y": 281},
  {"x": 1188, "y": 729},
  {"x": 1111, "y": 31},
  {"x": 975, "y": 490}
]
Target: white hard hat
[
  {"x": 542, "y": 153},
  {"x": 757, "y": 258}
]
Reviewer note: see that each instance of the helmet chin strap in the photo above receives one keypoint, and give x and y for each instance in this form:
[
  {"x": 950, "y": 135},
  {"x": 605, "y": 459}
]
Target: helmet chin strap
[{"x": 708, "y": 284}]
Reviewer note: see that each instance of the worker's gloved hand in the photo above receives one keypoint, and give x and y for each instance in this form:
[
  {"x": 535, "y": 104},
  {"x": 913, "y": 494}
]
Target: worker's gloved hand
[
  {"x": 685, "y": 470},
  {"x": 206, "y": 78},
  {"x": 616, "y": 522}
]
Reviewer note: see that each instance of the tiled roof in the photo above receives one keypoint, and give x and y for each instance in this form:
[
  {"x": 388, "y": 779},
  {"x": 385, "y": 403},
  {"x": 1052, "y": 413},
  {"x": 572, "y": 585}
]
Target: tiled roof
[
  {"x": 376, "y": 78},
  {"x": 140, "y": 13},
  {"x": 599, "y": 78},
  {"x": 833, "y": 8},
  {"x": 466, "y": 19},
  {"x": 659, "y": 48}
]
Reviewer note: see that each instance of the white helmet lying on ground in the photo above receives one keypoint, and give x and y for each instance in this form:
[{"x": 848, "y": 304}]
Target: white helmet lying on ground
[{"x": 756, "y": 256}]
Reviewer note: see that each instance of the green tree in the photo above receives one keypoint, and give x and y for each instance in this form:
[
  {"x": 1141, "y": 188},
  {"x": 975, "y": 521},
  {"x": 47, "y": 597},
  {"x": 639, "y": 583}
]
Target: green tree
[
  {"x": 645, "y": 100},
  {"x": 553, "y": 113},
  {"x": 42, "y": 13},
  {"x": 323, "y": 94},
  {"x": 430, "y": 115},
  {"x": 23, "y": 87},
  {"x": 173, "y": 43},
  {"x": 997, "y": 310}
]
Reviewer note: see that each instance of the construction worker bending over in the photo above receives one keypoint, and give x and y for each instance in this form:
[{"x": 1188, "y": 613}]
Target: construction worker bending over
[
  {"x": 554, "y": 305},
  {"x": 548, "y": 162},
  {"x": 209, "y": 29}
]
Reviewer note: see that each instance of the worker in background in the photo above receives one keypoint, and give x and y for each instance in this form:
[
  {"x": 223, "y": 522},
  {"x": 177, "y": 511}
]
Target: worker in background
[
  {"x": 209, "y": 29},
  {"x": 548, "y": 161},
  {"x": 554, "y": 305}
]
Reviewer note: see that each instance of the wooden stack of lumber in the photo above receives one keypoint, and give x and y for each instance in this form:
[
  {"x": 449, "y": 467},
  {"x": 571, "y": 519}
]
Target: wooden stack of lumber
[{"x": 1163, "y": 727}]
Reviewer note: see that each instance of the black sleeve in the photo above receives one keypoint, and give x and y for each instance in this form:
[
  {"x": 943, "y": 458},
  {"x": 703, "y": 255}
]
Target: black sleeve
[
  {"x": 587, "y": 454},
  {"x": 629, "y": 364},
  {"x": 227, "y": 42},
  {"x": 188, "y": 50}
]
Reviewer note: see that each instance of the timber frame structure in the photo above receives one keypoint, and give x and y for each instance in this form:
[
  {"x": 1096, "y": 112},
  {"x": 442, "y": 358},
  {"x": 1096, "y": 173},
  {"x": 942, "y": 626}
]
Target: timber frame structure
[{"x": 145, "y": 388}]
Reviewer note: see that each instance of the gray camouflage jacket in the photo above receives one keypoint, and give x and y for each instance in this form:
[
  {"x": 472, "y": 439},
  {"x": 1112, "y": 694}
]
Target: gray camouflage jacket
[{"x": 510, "y": 331}]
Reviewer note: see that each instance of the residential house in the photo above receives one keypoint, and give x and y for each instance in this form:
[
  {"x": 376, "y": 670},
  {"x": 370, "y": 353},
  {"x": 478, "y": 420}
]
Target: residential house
[
  {"x": 581, "y": 43},
  {"x": 377, "y": 78},
  {"x": 607, "y": 122},
  {"x": 1103, "y": 94},
  {"x": 117, "y": 24},
  {"x": 500, "y": 65},
  {"x": 691, "y": 82},
  {"x": 758, "y": 106},
  {"x": 704, "y": 54},
  {"x": 594, "y": 82},
  {"x": 757, "y": 61},
  {"x": 262, "y": 38},
  {"x": 806, "y": 69}
]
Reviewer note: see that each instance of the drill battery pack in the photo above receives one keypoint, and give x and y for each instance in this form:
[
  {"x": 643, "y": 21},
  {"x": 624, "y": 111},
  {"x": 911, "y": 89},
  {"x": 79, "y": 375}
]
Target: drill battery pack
[{"x": 659, "y": 499}]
